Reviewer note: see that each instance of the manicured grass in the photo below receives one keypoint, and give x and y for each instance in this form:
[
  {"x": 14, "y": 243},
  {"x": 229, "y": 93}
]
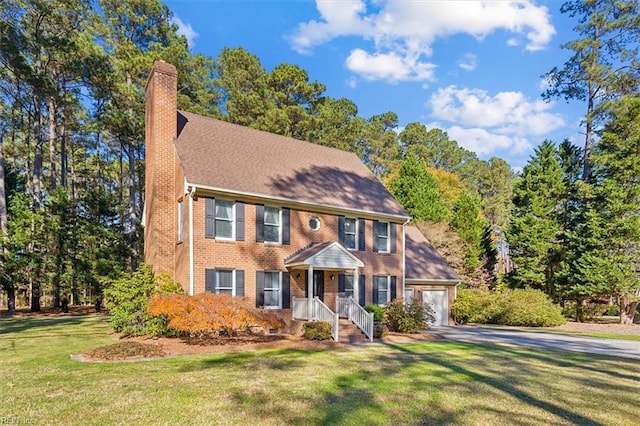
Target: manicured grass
[
  {"x": 600, "y": 335},
  {"x": 427, "y": 383}
]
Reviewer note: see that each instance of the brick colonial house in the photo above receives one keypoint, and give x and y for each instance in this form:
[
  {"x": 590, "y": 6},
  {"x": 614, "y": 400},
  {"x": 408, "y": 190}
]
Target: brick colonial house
[{"x": 293, "y": 226}]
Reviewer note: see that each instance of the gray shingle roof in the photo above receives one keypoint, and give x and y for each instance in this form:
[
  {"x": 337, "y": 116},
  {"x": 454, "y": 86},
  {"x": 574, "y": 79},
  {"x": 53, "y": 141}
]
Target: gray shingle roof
[
  {"x": 226, "y": 156},
  {"x": 423, "y": 261}
]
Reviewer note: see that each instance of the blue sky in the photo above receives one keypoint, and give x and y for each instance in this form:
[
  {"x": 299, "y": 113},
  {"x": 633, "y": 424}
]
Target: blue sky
[{"x": 471, "y": 68}]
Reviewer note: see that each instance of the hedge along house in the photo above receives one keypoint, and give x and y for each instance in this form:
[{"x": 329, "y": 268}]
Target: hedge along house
[{"x": 296, "y": 227}]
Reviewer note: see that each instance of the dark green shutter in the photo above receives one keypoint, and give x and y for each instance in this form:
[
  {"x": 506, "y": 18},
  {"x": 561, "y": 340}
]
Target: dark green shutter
[
  {"x": 375, "y": 235},
  {"x": 210, "y": 218},
  {"x": 361, "y": 239},
  {"x": 259, "y": 289},
  {"x": 341, "y": 229},
  {"x": 210, "y": 280},
  {"x": 375, "y": 290},
  {"x": 239, "y": 282},
  {"x": 361, "y": 289},
  {"x": 260, "y": 223},
  {"x": 393, "y": 288},
  {"x": 286, "y": 290},
  {"x": 286, "y": 226},
  {"x": 239, "y": 221},
  {"x": 393, "y": 235}
]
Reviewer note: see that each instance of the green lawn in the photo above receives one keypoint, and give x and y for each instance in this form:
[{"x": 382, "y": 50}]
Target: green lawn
[{"x": 426, "y": 383}]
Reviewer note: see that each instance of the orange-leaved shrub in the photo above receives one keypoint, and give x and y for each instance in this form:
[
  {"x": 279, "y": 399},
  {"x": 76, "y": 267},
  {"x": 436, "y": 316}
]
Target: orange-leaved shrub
[{"x": 208, "y": 315}]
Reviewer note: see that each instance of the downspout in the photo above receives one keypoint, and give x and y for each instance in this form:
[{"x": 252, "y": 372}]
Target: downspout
[
  {"x": 192, "y": 286},
  {"x": 404, "y": 257}
]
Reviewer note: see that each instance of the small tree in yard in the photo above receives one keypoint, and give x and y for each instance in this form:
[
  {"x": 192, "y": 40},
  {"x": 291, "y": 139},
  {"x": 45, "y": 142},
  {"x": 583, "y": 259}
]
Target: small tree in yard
[
  {"x": 408, "y": 318},
  {"x": 210, "y": 315}
]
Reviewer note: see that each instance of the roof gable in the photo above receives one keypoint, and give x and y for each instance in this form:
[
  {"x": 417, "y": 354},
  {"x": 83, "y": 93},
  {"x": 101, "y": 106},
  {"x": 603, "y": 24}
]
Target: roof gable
[
  {"x": 423, "y": 261},
  {"x": 331, "y": 255},
  {"x": 224, "y": 156}
]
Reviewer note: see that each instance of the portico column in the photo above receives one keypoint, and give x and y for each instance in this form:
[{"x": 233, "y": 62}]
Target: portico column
[
  {"x": 356, "y": 285},
  {"x": 310, "y": 293}
]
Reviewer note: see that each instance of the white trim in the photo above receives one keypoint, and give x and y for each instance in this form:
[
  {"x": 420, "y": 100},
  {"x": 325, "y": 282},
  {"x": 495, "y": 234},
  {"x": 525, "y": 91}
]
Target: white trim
[
  {"x": 388, "y": 278},
  {"x": 310, "y": 261},
  {"x": 355, "y": 233},
  {"x": 418, "y": 281},
  {"x": 216, "y": 280},
  {"x": 261, "y": 199},
  {"x": 181, "y": 219},
  {"x": 375, "y": 237},
  {"x": 264, "y": 224},
  {"x": 279, "y": 290},
  {"x": 192, "y": 284},
  {"x": 233, "y": 220}
]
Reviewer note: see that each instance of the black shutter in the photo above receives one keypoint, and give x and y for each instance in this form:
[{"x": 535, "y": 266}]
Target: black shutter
[
  {"x": 393, "y": 288},
  {"x": 239, "y": 282},
  {"x": 306, "y": 283},
  {"x": 210, "y": 280},
  {"x": 362, "y": 282},
  {"x": 239, "y": 221},
  {"x": 259, "y": 289},
  {"x": 375, "y": 235},
  {"x": 341, "y": 285},
  {"x": 210, "y": 218},
  {"x": 393, "y": 236},
  {"x": 286, "y": 290},
  {"x": 341, "y": 229},
  {"x": 375, "y": 290},
  {"x": 260, "y": 223},
  {"x": 361, "y": 240},
  {"x": 286, "y": 226}
]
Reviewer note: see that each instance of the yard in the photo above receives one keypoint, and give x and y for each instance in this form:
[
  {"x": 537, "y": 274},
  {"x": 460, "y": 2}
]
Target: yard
[{"x": 433, "y": 382}]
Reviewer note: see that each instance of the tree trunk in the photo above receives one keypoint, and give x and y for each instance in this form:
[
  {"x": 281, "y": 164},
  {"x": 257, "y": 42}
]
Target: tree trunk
[
  {"x": 627, "y": 311},
  {"x": 36, "y": 178},
  {"x": 132, "y": 219},
  {"x": 3, "y": 197},
  {"x": 52, "y": 143},
  {"x": 11, "y": 299}
]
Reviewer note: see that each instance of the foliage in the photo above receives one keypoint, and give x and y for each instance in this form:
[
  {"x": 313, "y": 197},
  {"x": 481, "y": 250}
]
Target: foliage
[
  {"x": 209, "y": 315},
  {"x": 378, "y": 312},
  {"x": 316, "y": 330},
  {"x": 519, "y": 307},
  {"x": 127, "y": 300},
  {"x": 408, "y": 318},
  {"x": 469, "y": 224},
  {"x": 417, "y": 191}
]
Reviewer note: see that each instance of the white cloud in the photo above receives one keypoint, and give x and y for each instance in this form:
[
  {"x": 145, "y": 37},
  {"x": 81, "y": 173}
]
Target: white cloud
[
  {"x": 484, "y": 123},
  {"x": 389, "y": 66},
  {"x": 186, "y": 30},
  {"x": 469, "y": 62},
  {"x": 407, "y": 29}
]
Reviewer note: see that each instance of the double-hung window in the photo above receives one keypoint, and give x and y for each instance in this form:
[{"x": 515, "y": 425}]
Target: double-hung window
[
  {"x": 272, "y": 290},
  {"x": 224, "y": 219},
  {"x": 180, "y": 221},
  {"x": 381, "y": 238},
  {"x": 346, "y": 289},
  {"x": 351, "y": 233},
  {"x": 272, "y": 224},
  {"x": 381, "y": 293},
  {"x": 224, "y": 282}
]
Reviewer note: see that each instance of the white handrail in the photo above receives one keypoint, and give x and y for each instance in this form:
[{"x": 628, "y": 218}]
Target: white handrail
[
  {"x": 361, "y": 318},
  {"x": 323, "y": 313}
]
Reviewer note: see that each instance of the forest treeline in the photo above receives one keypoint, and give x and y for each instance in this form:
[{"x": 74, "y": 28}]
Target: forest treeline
[{"x": 72, "y": 78}]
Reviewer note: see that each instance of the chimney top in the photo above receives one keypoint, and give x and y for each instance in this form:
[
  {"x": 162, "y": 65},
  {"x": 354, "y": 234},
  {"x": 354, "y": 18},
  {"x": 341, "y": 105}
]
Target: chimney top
[{"x": 163, "y": 67}]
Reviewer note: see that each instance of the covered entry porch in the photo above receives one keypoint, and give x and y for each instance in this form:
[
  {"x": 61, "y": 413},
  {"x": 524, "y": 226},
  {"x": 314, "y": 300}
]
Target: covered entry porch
[{"x": 325, "y": 268}]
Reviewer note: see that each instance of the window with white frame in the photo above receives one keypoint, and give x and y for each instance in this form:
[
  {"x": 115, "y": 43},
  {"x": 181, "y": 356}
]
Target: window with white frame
[
  {"x": 273, "y": 289},
  {"x": 381, "y": 293},
  {"x": 382, "y": 237},
  {"x": 224, "y": 219},
  {"x": 408, "y": 295},
  {"x": 351, "y": 233},
  {"x": 224, "y": 282},
  {"x": 180, "y": 220},
  {"x": 348, "y": 286},
  {"x": 272, "y": 223}
]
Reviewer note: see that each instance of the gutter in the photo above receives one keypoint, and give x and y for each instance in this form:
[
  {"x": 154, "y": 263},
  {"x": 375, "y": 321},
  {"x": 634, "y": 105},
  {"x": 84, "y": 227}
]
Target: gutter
[{"x": 192, "y": 285}]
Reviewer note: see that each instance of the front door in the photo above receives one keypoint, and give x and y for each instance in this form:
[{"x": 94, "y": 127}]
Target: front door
[{"x": 318, "y": 284}]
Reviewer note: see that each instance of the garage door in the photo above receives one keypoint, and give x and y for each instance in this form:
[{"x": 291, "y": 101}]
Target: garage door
[{"x": 438, "y": 301}]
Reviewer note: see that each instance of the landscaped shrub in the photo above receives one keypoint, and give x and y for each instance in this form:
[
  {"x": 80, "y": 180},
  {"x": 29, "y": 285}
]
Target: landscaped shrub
[
  {"x": 378, "y": 319},
  {"x": 613, "y": 311},
  {"x": 127, "y": 300},
  {"x": 408, "y": 318},
  {"x": 521, "y": 307},
  {"x": 209, "y": 315},
  {"x": 316, "y": 330}
]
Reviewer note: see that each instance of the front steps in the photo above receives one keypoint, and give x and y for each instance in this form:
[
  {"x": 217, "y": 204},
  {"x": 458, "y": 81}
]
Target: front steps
[{"x": 349, "y": 333}]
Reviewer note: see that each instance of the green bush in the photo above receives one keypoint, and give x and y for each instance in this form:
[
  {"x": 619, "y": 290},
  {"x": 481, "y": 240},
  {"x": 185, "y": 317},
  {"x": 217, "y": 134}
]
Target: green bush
[
  {"x": 316, "y": 330},
  {"x": 408, "y": 318},
  {"x": 378, "y": 312},
  {"x": 521, "y": 307},
  {"x": 127, "y": 300},
  {"x": 613, "y": 311}
]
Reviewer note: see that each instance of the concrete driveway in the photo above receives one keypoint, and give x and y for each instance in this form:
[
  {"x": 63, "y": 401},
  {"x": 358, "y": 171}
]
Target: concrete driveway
[{"x": 592, "y": 345}]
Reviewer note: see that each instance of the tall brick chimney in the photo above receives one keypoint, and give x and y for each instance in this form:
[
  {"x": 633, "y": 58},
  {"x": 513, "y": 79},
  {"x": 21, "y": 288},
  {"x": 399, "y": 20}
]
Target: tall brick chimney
[{"x": 160, "y": 209}]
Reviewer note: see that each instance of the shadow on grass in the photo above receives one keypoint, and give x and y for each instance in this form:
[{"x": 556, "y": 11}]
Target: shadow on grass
[
  {"x": 19, "y": 325},
  {"x": 255, "y": 362}
]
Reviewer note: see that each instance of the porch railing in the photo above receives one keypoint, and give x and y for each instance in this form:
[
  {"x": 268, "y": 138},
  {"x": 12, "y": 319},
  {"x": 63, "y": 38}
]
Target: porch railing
[
  {"x": 315, "y": 310},
  {"x": 350, "y": 309}
]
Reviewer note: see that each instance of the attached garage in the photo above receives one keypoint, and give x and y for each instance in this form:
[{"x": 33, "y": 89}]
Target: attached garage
[{"x": 429, "y": 278}]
